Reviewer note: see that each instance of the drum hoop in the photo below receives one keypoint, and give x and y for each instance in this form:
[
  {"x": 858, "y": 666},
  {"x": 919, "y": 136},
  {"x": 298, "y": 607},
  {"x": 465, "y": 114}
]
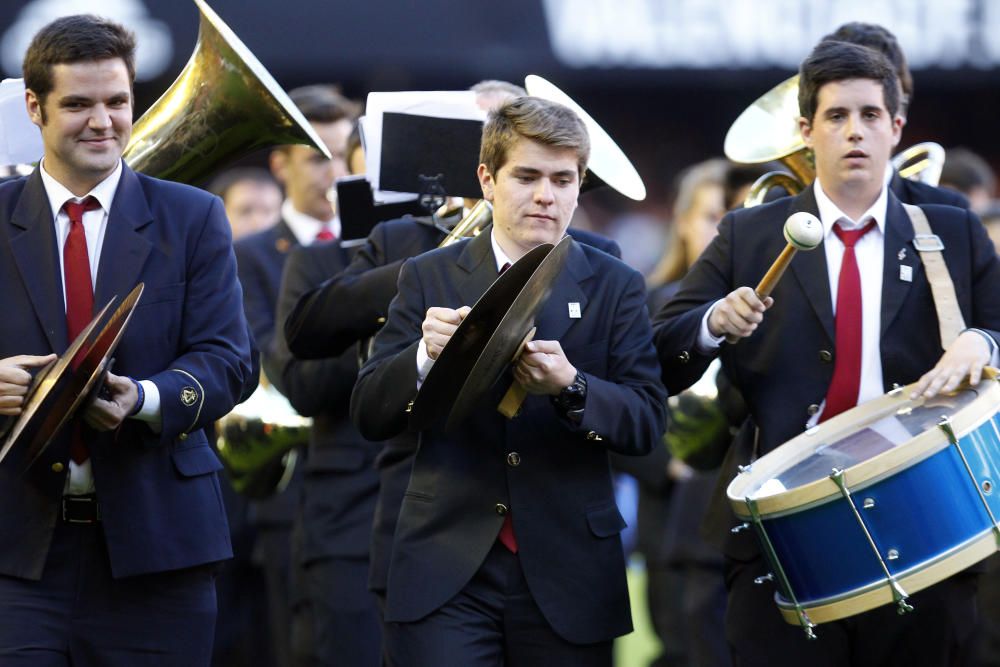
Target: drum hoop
[
  {"x": 861, "y": 475},
  {"x": 913, "y": 579}
]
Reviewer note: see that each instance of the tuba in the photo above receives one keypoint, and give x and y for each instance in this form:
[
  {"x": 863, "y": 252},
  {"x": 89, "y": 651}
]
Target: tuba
[
  {"x": 768, "y": 130},
  {"x": 223, "y": 105}
]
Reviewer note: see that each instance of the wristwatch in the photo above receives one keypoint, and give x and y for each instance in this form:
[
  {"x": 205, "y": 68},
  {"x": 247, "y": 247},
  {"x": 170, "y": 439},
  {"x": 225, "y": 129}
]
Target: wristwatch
[{"x": 572, "y": 399}]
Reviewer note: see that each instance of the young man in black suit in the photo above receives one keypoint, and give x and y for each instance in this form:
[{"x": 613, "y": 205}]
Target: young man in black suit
[
  {"x": 507, "y": 546},
  {"x": 797, "y": 363}
]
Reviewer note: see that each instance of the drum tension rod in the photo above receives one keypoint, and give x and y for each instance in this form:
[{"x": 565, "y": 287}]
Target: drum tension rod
[
  {"x": 945, "y": 425},
  {"x": 898, "y": 594},
  {"x": 772, "y": 556}
]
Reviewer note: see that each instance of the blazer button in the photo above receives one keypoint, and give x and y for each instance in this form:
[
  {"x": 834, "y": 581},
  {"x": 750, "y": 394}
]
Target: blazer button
[
  {"x": 591, "y": 435},
  {"x": 826, "y": 356},
  {"x": 58, "y": 467},
  {"x": 513, "y": 459},
  {"x": 501, "y": 509},
  {"x": 812, "y": 409},
  {"x": 684, "y": 357}
]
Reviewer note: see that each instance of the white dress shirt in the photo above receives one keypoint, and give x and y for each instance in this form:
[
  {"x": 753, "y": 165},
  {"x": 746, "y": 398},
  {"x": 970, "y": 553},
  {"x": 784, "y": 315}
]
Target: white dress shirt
[
  {"x": 95, "y": 224},
  {"x": 304, "y": 227}
]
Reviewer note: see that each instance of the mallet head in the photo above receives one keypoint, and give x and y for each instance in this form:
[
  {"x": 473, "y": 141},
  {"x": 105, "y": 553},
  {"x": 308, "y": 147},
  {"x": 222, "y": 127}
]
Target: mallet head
[{"x": 803, "y": 230}]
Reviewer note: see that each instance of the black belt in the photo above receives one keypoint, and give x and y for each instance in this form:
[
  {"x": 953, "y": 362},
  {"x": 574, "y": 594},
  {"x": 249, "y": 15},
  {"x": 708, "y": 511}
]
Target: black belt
[{"x": 81, "y": 509}]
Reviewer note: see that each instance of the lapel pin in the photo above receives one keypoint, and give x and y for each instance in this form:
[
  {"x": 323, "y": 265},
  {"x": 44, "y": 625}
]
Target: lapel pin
[
  {"x": 574, "y": 310},
  {"x": 906, "y": 273},
  {"x": 902, "y": 254}
]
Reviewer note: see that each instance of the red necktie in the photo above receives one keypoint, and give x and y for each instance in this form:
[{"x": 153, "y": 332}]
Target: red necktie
[
  {"x": 506, "y": 535},
  {"x": 843, "y": 392},
  {"x": 79, "y": 293},
  {"x": 324, "y": 235}
]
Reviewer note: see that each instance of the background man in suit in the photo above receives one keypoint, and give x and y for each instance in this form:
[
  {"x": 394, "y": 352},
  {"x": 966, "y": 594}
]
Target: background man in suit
[
  {"x": 307, "y": 216},
  {"x": 252, "y": 198},
  {"x": 486, "y": 564},
  {"x": 110, "y": 536},
  {"x": 794, "y": 362}
]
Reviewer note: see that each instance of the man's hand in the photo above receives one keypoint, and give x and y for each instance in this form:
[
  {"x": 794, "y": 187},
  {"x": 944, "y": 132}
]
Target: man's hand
[
  {"x": 438, "y": 327},
  {"x": 110, "y": 408},
  {"x": 543, "y": 368},
  {"x": 15, "y": 378},
  {"x": 965, "y": 358},
  {"x": 738, "y": 315}
]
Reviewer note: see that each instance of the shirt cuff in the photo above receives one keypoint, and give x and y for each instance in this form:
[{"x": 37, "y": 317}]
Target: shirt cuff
[
  {"x": 708, "y": 343},
  {"x": 424, "y": 363},
  {"x": 150, "y": 411},
  {"x": 994, "y": 349}
]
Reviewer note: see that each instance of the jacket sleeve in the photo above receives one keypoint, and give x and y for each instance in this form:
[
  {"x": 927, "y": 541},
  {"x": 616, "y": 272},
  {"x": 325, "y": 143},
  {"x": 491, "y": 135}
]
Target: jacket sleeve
[{"x": 213, "y": 368}]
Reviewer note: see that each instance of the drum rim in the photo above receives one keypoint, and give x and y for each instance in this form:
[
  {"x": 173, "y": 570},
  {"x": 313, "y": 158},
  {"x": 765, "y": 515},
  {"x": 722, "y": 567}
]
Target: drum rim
[
  {"x": 915, "y": 578},
  {"x": 861, "y": 475}
]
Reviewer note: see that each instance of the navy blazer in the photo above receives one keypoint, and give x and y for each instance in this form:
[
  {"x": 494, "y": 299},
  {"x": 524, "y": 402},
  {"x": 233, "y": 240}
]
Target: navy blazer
[
  {"x": 781, "y": 369},
  {"x": 260, "y": 259},
  {"x": 340, "y": 484},
  {"x": 159, "y": 493},
  {"x": 560, "y": 494}
]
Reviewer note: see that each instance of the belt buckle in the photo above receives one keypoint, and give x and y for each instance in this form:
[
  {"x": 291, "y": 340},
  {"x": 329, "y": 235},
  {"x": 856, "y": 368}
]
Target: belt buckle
[
  {"x": 928, "y": 243},
  {"x": 81, "y": 503}
]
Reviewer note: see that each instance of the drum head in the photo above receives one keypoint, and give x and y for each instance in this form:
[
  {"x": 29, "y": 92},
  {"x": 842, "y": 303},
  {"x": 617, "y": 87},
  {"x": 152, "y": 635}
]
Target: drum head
[{"x": 867, "y": 441}]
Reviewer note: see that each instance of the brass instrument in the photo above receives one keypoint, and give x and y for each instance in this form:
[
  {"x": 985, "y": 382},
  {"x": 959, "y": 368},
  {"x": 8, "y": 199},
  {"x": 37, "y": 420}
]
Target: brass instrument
[
  {"x": 258, "y": 442},
  {"x": 223, "y": 105},
  {"x": 478, "y": 217},
  {"x": 921, "y": 162},
  {"x": 768, "y": 130}
]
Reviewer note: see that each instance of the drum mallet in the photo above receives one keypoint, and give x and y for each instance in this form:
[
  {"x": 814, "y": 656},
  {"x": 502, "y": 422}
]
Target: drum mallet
[{"x": 803, "y": 231}]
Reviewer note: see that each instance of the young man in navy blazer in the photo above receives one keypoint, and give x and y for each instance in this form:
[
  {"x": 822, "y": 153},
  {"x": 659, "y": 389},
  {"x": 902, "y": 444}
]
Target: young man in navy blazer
[
  {"x": 791, "y": 363},
  {"x": 507, "y": 547},
  {"x": 110, "y": 537}
]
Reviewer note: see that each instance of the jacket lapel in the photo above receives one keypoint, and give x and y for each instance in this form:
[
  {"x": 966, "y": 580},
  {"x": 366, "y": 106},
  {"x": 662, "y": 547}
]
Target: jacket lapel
[
  {"x": 125, "y": 247},
  {"x": 809, "y": 268},
  {"x": 33, "y": 244},
  {"x": 898, "y": 235},
  {"x": 554, "y": 318},
  {"x": 478, "y": 265}
]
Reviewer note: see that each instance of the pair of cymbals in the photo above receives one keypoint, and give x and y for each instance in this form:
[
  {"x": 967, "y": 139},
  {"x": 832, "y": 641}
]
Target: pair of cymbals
[
  {"x": 63, "y": 386},
  {"x": 487, "y": 340}
]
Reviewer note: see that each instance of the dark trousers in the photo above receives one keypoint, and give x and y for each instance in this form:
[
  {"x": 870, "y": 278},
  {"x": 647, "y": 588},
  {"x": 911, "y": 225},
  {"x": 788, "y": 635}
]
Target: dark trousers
[
  {"x": 78, "y": 615},
  {"x": 492, "y": 622},
  {"x": 936, "y": 634},
  {"x": 335, "y": 619}
]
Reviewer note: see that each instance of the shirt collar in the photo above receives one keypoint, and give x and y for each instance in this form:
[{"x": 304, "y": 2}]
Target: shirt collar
[
  {"x": 830, "y": 213},
  {"x": 59, "y": 194},
  {"x": 305, "y": 227},
  {"x": 498, "y": 254}
]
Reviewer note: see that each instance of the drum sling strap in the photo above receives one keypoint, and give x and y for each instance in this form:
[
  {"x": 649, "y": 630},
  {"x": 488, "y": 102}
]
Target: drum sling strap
[{"x": 929, "y": 246}]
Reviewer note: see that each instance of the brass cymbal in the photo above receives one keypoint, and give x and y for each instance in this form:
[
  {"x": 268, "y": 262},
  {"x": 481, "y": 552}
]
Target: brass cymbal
[
  {"x": 485, "y": 342},
  {"x": 59, "y": 389}
]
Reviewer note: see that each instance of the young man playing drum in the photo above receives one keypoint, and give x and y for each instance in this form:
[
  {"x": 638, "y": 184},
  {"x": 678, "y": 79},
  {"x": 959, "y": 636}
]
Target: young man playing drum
[{"x": 849, "y": 321}]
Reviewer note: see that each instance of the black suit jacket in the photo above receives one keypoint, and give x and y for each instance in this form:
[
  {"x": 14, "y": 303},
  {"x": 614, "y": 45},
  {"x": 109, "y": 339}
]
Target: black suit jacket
[
  {"x": 351, "y": 306},
  {"x": 561, "y": 498},
  {"x": 340, "y": 483},
  {"x": 782, "y": 370}
]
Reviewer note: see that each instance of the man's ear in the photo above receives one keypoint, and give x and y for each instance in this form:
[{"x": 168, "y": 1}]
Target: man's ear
[
  {"x": 486, "y": 182},
  {"x": 34, "y": 107},
  {"x": 278, "y": 161},
  {"x": 805, "y": 129}
]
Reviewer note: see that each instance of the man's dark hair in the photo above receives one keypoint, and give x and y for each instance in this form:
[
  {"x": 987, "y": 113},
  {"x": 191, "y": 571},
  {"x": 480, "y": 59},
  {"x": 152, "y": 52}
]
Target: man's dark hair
[
  {"x": 833, "y": 61},
  {"x": 73, "y": 39},
  {"x": 323, "y": 103},
  {"x": 876, "y": 37},
  {"x": 965, "y": 171},
  {"x": 222, "y": 183}
]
